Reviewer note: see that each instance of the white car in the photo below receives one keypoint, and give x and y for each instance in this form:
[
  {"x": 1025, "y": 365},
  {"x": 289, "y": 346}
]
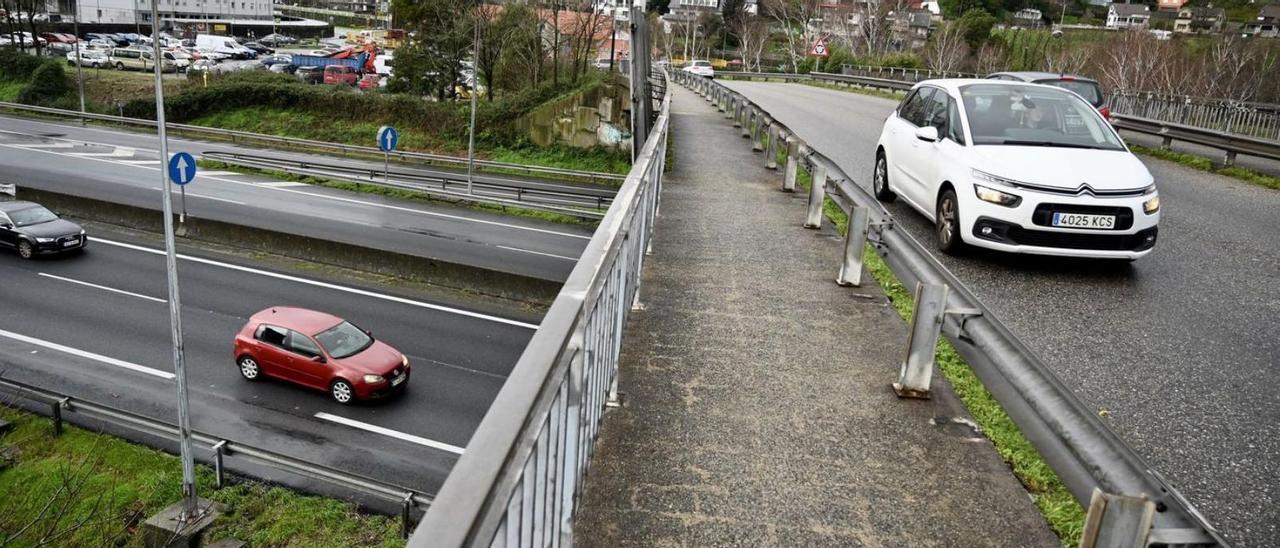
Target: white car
[
  {"x": 89, "y": 58},
  {"x": 700, "y": 68},
  {"x": 1016, "y": 167}
]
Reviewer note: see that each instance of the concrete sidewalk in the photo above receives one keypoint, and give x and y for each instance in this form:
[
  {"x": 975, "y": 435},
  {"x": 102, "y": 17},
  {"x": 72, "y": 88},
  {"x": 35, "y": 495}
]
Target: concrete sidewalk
[{"x": 757, "y": 408}]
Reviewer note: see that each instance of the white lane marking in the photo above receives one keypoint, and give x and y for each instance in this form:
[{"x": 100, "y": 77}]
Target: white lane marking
[
  {"x": 325, "y": 285},
  {"x": 105, "y": 288},
  {"x": 97, "y": 154},
  {"x": 390, "y": 433},
  {"x": 574, "y": 259},
  {"x": 144, "y": 164},
  {"x": 281, "y": 184},
  {"x": 86, "y": 354},
  {"x": 212, "y": 198},
  {"x": 48, "y": 145}
]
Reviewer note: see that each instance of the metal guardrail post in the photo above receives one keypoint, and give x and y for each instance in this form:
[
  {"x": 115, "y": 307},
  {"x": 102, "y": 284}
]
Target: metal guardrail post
[
  {"x": 739, "y": 105},
  {"x": 916, "y": 372},
  {"x": 771, "y": 153},
  {"x": 793, "y": 164},
  {"x": 218, "y": 449},
  {"x": 405, "y": 506},
  {"x": 817, "y": 195},
  {"x": 758, "y": 131},
  {"x": 1229, "y": 159},
  {"x": 748, "y": 118},
  {"x": 855, "y": 239},
  {"x": 57, "y": 414},
  {"x": 1117, "y": 521}
]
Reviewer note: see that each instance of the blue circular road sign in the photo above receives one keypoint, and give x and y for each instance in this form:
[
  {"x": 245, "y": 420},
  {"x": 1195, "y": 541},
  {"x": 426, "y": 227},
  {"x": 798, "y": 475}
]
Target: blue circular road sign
[
  {"x": 387, "y": 138},
  {"x": 182, "y": 168}
]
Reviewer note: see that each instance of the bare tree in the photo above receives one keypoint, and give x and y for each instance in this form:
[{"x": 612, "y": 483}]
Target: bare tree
[
  {"x": 584, "y": 27},
  {"x": 1068, "y": 60},
  {"x": 990, "y": 59},
  {"x": 947, "y": 50},
  {"x": 793, "y": 17},
  {"x": 754, "y": 34},
  {"x": 875, "y": 25}
]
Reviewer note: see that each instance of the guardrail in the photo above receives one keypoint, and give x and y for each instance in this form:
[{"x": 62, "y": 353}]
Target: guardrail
[
  {"x": 1101, "y": 471},
  {"x": 1231, "y": 143},
  {"x": 518, "y": 482},
  {"x": 219, "y": 448},
  {"x": 450, "y": 188},
  {"x": 433, "y": 159},
  {"x": 1231, "y": 118}
]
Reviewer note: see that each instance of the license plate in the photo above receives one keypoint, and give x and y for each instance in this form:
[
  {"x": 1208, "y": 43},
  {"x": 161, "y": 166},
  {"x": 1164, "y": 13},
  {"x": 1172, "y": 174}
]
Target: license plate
[
  {"x": 396, "y": 381},
  {"x": 1081, "y": 220},
  {"x": 70, "y": 243}
]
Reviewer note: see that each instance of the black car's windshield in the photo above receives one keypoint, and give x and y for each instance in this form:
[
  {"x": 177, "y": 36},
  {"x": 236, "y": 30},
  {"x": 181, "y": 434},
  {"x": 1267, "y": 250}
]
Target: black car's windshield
[
  {"x": 344, "y": 340},
  {"x": 1034, "y": 116},
  {"x": 31, "y": 216}
]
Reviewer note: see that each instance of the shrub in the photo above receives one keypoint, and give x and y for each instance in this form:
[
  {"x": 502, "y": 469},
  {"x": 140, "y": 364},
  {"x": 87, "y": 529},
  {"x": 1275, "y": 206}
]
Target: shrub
[
  {"x": 48, "y": 85},
  {"x": 17, "y": 66}
]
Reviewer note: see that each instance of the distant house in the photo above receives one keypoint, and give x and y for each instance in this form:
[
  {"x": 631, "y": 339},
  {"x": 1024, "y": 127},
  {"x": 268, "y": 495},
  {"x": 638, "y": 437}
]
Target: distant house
[
  {"x": 1170, "y": 5},
  {"x": 911, "y": 28},
  {"x": 1199, "y": 19},
  {"x": 1163, "y": 20},
  {"x": 1028, "y": 17},
  {"x": 1128, "y": 16},
  {"x": 1267, "y": 24}
]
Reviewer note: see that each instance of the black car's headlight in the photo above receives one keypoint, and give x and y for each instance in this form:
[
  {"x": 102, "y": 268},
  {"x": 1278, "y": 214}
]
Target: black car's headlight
[
  {"x": 988, "y": 194},
  {"x": 45, "y": 240}
]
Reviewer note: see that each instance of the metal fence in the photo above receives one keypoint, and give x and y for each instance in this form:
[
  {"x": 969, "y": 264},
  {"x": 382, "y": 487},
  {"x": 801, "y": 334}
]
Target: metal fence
[
  {"x": 419, "y": 157},
  {"x": 1235, "y": 117},
  {"x": 219, "y": 448},
  {"x": 1124, "y": 495},
  {"x": 518, "y": 482}
]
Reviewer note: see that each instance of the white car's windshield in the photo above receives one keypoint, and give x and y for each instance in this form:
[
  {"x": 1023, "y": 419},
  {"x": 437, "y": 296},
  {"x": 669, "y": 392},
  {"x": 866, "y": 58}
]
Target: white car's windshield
[{"x": 1030, "y": 116}]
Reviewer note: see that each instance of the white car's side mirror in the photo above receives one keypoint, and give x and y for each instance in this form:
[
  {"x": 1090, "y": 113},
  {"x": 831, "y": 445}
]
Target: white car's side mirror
[{"x": 927, "y": 133}]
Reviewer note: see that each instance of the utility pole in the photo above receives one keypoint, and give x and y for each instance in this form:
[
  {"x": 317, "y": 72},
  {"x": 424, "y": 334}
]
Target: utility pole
[
  {"x": 475, "y": 90},
  {"x": 190, "y": 508}
]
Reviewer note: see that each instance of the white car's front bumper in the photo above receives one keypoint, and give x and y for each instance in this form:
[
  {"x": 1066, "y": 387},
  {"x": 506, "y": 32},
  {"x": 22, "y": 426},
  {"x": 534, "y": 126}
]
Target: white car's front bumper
[{"x": 1026, "y": 227}]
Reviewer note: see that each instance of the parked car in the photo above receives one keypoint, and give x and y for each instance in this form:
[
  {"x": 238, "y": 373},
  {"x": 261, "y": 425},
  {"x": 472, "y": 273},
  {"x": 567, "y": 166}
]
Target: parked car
[
  {"x": 137, "y": 58},
  {"x": 1016, "y": 167},
  {"x": 58, "y": 49},
  {"x": 310, "y": 75},
  {"x": 100, "y": 44},
  {"x": 259, "y": 48},
  {"x": 277, "y": 40},
  {"x": 340, "y": 75},
  {"x": 277, "y": 59},
  {"x": 33, "y": 230},
  {"x": 319, "y": 351},
  {"x": 53, "y": 38},
  {"x": 1088, "y": 88},
  {"x": 283, "y": 68},
  {"x": 700, "y": 68},
  {"x": 369, "y": 81},
  {"x": 95, "y": 58}
]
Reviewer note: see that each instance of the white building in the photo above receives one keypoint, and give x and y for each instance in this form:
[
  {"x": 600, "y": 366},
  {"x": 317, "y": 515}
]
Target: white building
[
  {"x": 1128, "y": 16},
  {"x": 128, "y": 12}
]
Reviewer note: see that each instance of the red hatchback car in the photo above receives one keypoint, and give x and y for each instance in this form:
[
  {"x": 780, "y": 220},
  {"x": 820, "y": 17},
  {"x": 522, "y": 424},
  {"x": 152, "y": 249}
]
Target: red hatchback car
[{"x": 320, "y": 351}]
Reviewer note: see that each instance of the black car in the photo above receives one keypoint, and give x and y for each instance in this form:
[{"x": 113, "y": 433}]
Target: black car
[
  {"x": 261, "y": 49},
  {"x": 310, "y": 75},
  {"x": 34, "y": 230}
]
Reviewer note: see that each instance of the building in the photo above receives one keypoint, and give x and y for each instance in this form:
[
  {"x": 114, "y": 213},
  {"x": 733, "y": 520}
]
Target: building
[
  {"x": 1267, "y": 24},
  {"x": 911, "y": 28},
  {"x": 1027, "y": 17},
  {"x": 1128, "y": 16},
  {"x": 1199, "y": 19},
  {"x": 1170, "y": 5}
]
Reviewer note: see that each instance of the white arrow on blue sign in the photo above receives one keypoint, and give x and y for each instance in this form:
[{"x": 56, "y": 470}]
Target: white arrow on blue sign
[
  {"x": 182, "y": 168},
  {"x": 387, "y": 138}
]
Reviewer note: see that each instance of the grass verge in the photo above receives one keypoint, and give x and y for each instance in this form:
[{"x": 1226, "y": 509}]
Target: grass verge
[
  {"x": 402, "y": 194},
  {"x": 1204, "y": 164},
  {"x": 88, "y": 489},
  {"x": 1060, "y": 509}
]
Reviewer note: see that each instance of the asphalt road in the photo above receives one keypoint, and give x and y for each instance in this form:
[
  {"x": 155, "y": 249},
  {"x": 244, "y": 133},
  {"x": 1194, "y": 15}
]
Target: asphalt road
[
  {"x": 124, "y": 167},
  {"x": 1177, "y": 348},
  {"x": 108, "y": 304}
]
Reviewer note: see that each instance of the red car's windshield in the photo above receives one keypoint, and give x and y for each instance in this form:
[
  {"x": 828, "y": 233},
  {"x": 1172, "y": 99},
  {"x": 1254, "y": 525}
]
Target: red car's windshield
[{"x": 344, "y": 340}]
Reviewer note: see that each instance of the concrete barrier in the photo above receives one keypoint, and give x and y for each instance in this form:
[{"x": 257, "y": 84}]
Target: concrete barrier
[{"x": 421, "y": 269}]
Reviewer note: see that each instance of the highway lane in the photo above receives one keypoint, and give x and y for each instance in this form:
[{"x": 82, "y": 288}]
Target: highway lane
[
  {"x": 96, "y": 326},
  {"x": 1176, "y": 348},
  {"x": 129, "y": 175}
]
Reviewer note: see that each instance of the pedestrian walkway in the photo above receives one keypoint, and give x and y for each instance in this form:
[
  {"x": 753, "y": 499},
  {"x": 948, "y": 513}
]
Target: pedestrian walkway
[{"x": 757, "y": 408}]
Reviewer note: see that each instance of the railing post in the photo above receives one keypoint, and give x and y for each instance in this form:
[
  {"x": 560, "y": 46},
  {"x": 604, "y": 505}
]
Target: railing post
[
  {"x": 916, "y": 371},
  {"x": 757, "y": 132},
  {"x": 405, "y": 505},
  {"x": 1117, "y": 521},
  {"x": 57, "y": 415},
  {"x": 771, "y": 154},
  {"x": 748, "y": 118},
  {"x": 218, "y": 449},
  {"x": 855, "y": 239},
  {"x": 789, "y": 176},
  {"x": 738, "y": 107},
  {"x": 817, "y": 195},
  {"x": 1229, "y": 159}
]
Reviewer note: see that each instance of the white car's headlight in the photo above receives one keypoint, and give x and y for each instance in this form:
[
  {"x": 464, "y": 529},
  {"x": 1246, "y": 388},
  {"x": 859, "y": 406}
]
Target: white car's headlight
[
  {"x": 984, "y": 176},
  {"x": 997, "y": 197},
  {"x": 370, "y": 379},
  {"x": 1151, "y": 205}
]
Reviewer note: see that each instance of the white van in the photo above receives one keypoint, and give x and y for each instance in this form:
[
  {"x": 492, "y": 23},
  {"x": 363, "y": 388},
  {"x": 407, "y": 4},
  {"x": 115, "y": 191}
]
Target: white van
[
  {"x": 133, "y": 58},
  {"x": 224, "y": 45}
]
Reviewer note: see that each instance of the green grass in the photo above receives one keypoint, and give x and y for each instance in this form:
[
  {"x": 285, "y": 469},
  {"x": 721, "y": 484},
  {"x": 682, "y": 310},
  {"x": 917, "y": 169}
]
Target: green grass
[
  {"x": 402, "y": 194},
  {"x": 597, "y": 159},
  {"x": 111, "y": 486},
  {"x": 9, "y": 90},
  {"x": 1204, "y": 164},
  {"x": 1060, "y": 509}
]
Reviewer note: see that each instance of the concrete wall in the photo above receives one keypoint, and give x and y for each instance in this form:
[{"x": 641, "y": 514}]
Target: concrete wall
[{"x": 599, "y": 116}]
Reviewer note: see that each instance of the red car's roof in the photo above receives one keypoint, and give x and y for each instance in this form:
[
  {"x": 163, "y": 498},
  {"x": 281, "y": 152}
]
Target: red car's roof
[{"x": 307, "y": 322}]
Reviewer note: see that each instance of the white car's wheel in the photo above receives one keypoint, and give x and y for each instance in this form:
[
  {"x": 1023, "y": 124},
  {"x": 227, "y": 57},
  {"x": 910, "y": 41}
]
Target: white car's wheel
[
  {"x": 948, "y": 224},
  {"x": 880, "y": 180}
]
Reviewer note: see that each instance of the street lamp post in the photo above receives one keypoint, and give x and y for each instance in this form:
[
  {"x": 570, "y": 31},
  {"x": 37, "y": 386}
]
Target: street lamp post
[
  {"x": 475, "y": 90},
  {"x": 190, "y": 509},
  {"x": 79, "y": 61}
]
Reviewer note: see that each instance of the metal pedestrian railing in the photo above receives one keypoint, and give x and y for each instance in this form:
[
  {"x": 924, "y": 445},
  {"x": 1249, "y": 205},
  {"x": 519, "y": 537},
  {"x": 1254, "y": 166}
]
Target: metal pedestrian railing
[
  {"x": 1123, "y": 494},
  {"x": 219, "y": 448},
  {"x": 519, "y": 481},
  {"x": 418, "y": 157},
  {"x": 1230, "y": 117},
  {"x": 903, "y": 74}
]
